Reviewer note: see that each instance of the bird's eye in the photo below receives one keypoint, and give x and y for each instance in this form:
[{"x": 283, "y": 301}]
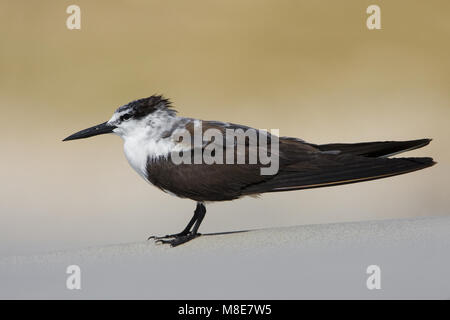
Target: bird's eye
[{"x": 125, "y": 117}]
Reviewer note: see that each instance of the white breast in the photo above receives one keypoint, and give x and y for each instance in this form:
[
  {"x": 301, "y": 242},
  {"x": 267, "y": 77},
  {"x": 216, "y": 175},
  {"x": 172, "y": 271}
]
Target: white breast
[
  {"x": 139, "y": 149},
  {"x": 148, "y": 139}
]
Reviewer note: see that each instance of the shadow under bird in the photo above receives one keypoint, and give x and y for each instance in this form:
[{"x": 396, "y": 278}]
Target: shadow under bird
[{"x": 151, "y": 130}]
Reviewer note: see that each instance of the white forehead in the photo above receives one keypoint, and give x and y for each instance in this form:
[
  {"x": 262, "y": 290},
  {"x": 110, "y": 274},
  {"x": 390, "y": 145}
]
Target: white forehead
[
  {"x": 152, "y": 125},
  {"x": 117, "y": 114}
]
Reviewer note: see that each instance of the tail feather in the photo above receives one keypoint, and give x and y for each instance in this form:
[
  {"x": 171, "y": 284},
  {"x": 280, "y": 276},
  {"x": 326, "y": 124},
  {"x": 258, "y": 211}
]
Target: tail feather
[
  {"x": 340, "y": 170},
  {"x": 374, "y": 149}
]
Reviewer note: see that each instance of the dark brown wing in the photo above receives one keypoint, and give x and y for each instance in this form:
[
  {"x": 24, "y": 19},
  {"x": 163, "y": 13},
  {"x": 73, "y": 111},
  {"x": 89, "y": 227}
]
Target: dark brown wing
[
  {"x": 218, "y": 182},
  {"x": 203, "y": 182},
  {"x": 301, "y": 166},
  {"x": 324, "y": 170}
]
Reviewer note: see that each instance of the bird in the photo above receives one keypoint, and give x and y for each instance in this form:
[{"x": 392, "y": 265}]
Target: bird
[{"x": 151, "y": 131}]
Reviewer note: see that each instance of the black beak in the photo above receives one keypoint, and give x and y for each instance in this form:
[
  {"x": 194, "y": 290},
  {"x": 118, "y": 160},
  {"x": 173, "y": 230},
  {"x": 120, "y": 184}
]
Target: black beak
[{"x": 92, "y": 131}]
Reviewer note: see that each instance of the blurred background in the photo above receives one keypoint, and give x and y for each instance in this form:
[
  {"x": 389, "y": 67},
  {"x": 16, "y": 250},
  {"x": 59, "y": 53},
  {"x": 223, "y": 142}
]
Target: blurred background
[{"x": 309, "y": 68}]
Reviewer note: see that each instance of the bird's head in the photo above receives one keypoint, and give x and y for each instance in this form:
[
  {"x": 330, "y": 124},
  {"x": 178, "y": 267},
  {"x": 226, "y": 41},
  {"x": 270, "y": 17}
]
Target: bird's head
[{"x": 138, "y": 115}]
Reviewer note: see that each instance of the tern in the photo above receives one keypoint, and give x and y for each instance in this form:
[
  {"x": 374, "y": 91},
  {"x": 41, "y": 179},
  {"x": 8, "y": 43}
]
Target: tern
[{"x": 151, "y": 130}]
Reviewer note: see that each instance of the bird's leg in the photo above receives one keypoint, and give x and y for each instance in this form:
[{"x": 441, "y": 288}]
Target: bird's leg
[
  {"x": 196, "y": 219},
  {"x": 184, "y": 236},
  {"x": 182, "y": 233}
]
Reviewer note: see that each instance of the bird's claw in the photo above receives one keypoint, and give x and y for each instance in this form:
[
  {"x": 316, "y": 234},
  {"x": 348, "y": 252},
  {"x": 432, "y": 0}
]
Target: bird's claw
[
  {"x": 175, "y": 240},
  {"x": 161, "y": 241},
  {"x": 167, "y": 236}
]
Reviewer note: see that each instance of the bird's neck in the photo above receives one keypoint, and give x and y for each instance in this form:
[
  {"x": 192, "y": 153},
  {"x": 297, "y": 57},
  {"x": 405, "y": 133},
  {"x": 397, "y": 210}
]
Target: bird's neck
[{"x": 150, "y": 141}]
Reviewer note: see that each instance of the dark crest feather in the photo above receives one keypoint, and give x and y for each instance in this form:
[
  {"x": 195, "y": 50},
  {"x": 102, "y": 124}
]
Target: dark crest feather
[{"x": 142, "y": 107}]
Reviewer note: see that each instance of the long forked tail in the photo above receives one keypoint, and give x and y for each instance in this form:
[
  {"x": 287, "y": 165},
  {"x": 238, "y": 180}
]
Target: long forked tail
[
  {"x": 374, "y": 149},
  {"x": 331, "y": 170}
]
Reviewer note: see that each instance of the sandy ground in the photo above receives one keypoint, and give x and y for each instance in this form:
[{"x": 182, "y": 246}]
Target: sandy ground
[{"x": 302, "y": 262}]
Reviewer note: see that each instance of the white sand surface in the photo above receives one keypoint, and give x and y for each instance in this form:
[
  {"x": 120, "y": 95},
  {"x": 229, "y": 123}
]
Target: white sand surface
[{"x": 301, "y": 262}]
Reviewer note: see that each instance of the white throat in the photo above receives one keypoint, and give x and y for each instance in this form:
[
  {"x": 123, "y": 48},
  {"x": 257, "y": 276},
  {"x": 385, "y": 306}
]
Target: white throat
[{"x": 147, "y": 139}]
